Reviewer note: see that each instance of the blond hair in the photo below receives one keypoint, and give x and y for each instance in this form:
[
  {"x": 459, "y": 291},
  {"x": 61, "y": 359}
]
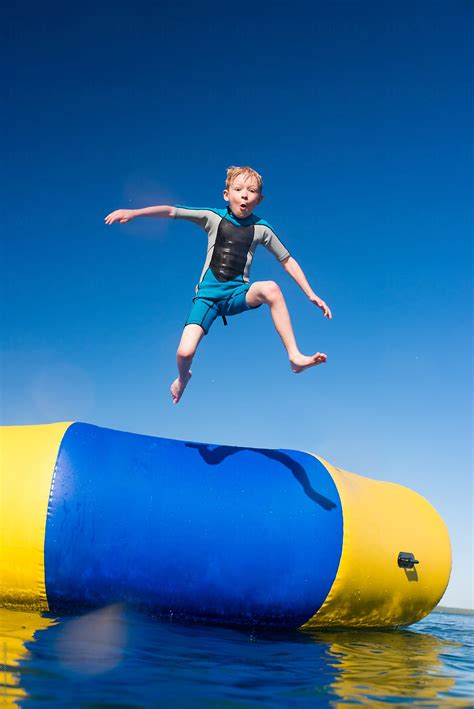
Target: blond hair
[{"x": 233, "y": 171}]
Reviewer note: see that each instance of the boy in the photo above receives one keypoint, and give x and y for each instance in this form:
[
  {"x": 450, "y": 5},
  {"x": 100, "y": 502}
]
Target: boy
[{"x": 224, "y": 287}]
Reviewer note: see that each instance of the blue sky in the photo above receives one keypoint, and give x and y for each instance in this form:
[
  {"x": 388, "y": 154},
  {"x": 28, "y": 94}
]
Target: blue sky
[{"x": 358, "y": 115}]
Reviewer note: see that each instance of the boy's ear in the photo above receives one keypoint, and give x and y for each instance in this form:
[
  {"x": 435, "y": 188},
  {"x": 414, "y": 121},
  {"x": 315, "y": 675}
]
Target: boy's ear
[
  {"x": 226, "y": 195},
  {"x": 261, "y": 198}
]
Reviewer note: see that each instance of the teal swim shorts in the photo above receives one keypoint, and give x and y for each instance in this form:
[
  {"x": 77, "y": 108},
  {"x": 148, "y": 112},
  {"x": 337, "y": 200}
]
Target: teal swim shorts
[{"x": 218, "y": 299}]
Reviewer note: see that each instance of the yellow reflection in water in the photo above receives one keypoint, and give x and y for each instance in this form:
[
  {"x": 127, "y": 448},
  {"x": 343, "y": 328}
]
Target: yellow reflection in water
[
  {"x": 90, "y": 644},
  {"x": 376, "y": 667},
  {"x": 17, "y": 628}
]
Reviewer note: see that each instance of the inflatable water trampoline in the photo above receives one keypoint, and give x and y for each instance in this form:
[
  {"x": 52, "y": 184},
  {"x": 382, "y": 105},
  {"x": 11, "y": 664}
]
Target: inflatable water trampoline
[{"x": 92, "y": 516}]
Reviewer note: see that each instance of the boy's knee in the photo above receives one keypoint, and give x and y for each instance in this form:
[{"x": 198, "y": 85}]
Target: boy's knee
[
  {"x": 186, "y": 351},
  {"x": 272, "y": 291}
]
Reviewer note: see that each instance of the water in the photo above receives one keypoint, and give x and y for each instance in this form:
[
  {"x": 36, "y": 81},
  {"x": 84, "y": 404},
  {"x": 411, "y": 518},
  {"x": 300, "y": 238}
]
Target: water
[{"x": 118, "y": 658}]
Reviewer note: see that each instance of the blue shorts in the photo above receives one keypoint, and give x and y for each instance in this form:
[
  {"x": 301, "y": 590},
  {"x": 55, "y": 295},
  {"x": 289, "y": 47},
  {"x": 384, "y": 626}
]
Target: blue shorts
[{"x": 215, "y": 298}]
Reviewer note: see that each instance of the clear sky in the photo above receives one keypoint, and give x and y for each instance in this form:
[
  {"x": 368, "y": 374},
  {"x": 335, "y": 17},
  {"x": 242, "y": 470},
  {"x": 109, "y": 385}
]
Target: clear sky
[{"x": 358, "y": 115}]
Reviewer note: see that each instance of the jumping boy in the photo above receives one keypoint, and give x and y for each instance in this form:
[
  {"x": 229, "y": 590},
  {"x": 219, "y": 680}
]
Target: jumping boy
[{"x": 224, "y": 288}]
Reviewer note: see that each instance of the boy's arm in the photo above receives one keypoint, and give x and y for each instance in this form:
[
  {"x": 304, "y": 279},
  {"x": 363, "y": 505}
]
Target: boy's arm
[
  {"x": 293, "y": 268},
  {"x": 126, "y": 215}
]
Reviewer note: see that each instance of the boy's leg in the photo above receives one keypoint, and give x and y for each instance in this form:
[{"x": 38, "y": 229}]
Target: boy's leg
[
  {"x": 190, "y": 339},
  {"x": 269, "y": 292}
]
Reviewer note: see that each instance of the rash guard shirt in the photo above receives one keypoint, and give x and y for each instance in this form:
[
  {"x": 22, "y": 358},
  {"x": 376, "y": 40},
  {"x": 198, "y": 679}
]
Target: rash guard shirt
[{"x": 231, "y": 242}]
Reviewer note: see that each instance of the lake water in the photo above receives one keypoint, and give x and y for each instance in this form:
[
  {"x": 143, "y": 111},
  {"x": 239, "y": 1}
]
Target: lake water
[{"x": 118, "y": 658}]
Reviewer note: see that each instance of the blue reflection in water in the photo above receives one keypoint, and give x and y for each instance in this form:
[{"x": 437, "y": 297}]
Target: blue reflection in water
[{"x": 116, "y": 657}]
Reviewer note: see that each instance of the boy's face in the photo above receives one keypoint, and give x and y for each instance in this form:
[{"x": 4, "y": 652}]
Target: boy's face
[{"x": 243, "y": 195}]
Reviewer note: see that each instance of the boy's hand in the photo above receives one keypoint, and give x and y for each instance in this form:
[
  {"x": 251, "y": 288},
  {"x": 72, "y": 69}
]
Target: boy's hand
[
  {"x": 321, "y": 304},
  {"x": 120, "y": 215}
]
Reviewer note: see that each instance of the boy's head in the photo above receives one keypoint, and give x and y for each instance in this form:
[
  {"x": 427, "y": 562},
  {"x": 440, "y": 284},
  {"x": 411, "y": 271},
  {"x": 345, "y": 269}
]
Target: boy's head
[{"x": 243, "y": 190}]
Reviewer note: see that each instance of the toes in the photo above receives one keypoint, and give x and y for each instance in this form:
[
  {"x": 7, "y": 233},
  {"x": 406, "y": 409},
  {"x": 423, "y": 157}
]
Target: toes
[
  {"x": 318, "y": 358},
  {"x": 174, "y": 394}
]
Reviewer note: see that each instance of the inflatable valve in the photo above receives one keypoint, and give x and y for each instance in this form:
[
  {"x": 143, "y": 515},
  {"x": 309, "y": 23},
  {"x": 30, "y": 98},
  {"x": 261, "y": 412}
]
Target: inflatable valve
[{"x": 406, "y": 560}]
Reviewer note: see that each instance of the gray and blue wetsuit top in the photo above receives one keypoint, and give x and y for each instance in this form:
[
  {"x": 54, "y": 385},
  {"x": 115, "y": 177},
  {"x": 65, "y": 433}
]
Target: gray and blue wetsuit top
[{"x": 231, "y": 241}]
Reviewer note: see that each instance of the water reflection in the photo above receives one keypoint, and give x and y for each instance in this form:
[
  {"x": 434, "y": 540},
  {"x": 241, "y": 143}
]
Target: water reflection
[
  {"x": 394, "y": 666},
  {"x": 117, "y": 657},
  {"x": 17, "y": 629}
]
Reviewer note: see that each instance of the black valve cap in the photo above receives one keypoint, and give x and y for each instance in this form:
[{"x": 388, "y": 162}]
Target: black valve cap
[{"x": 406, "y": 560}]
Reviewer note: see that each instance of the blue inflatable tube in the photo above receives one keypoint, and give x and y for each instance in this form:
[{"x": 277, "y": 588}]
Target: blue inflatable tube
[{"x": 182, "y": 527}]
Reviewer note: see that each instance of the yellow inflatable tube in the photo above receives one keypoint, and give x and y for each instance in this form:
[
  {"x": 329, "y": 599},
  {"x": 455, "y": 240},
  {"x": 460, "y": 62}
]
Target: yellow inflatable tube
[{"x": 380, "y": 520}]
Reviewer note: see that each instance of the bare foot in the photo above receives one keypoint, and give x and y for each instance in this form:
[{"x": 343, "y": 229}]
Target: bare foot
[
  {"x": 178, "y": 386},
  {"x": 301, "y": 362}
]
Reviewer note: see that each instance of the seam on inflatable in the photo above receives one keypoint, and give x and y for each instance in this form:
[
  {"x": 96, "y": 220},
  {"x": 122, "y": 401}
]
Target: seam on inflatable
[
  {"x": 307, "y": 624},
  {"x": 50, "y": 497}
]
